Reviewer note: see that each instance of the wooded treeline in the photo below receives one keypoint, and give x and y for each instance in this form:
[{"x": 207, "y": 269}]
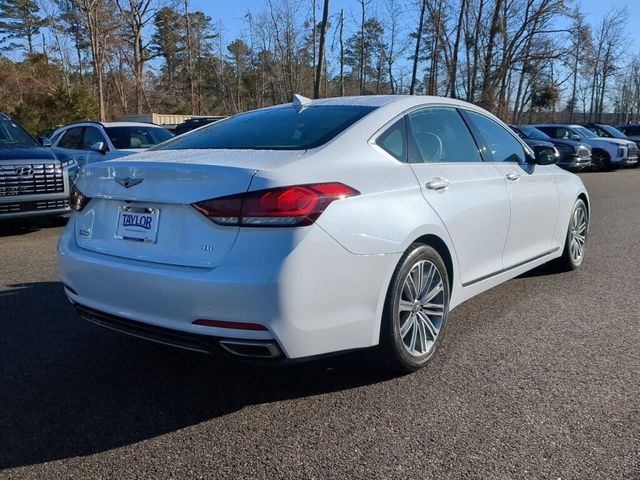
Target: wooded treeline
[{"x": 523, "y": 60}]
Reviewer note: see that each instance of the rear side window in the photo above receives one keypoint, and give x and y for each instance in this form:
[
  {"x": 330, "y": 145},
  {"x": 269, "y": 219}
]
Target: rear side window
[
  {"x": 439, "y": 134},
  {"x": 280, "y": 128},
  {"x": 500, "y": 143},
  {"x": 394, "y": 140},
  {"x": 72, "y": 138}
]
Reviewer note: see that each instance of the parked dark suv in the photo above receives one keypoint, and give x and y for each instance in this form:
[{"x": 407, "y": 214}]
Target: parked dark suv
[
  {"x": 574, "y": 155},
  {"x": 34, "y": 180}
]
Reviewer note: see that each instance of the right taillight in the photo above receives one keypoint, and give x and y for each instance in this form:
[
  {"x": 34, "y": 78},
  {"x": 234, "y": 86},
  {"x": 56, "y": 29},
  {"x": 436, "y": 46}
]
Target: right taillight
[
  {"x": 291, "y": 206},
  {"x": 78, "y": 199}
]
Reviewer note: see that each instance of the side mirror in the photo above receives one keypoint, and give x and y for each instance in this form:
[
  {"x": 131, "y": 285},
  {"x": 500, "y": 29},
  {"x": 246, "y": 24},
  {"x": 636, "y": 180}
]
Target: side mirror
[
  {"x": 46, "y": 142},
  {"x": 546, "y": 155},
  {"x": 576, "y": 137},
  {"x": 99, "y": 147}
]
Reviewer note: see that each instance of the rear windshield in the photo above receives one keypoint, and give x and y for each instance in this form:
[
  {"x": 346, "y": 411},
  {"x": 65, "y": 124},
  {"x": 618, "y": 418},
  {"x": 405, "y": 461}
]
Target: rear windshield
[
  {"x": 137, "y": 137},
  {"x": 281, "y": 128},
  {"x": 13, "y": 136}
]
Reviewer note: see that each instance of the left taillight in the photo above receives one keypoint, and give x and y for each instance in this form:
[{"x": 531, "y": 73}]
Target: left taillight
[
  {"x": 291, "y": 206},
  {"x": 78, "y": 199}
]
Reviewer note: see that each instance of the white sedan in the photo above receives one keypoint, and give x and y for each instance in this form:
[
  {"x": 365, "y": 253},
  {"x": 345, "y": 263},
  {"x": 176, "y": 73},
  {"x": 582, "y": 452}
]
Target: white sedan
[{"x": 317, "y": 227}]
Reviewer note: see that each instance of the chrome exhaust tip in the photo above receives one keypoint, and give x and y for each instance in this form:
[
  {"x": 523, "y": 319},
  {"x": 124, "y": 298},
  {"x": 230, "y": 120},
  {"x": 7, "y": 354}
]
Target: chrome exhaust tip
[{"x": 251, "y": 349}]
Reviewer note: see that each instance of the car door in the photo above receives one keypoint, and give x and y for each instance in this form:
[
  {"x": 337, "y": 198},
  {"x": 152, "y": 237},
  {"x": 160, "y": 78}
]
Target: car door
[
  {"x": 532, "y": 191},
  {"x": 468, "y": 194}
]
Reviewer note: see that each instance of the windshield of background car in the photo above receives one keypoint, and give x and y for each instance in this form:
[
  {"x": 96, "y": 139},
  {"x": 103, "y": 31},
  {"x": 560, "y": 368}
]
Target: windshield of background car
[
  {"x": 281, "y": 128},
  {"x": 124, "y": 138},
  {"x": 613, "y": 132},
  {"x": 13, "y": 136},
  {"x": 585, "y": 132},
  {"x": 534, "y": 133}
]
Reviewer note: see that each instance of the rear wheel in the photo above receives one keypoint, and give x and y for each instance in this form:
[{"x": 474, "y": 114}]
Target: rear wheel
[
  {"x": 416, "y": 309},
  {"x": 576, "y": 242}
]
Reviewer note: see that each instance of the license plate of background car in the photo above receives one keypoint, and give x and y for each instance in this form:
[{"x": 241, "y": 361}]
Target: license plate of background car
[{"x": 138, "y": 223}]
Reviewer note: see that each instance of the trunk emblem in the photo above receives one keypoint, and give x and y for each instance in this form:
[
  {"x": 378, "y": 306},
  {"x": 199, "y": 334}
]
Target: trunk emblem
[{"x": 128, "y": 182}]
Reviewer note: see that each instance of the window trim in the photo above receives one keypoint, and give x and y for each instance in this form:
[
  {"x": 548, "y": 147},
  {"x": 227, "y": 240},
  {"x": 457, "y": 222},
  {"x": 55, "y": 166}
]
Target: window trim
[{"x": 458, "y": 108}]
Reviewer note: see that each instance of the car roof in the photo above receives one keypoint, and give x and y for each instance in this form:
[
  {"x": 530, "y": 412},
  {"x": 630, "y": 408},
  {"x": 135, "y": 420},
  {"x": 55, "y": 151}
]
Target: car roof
[
  {"x": 383, "y": 100},
  {"x": 111, "y": 124}
]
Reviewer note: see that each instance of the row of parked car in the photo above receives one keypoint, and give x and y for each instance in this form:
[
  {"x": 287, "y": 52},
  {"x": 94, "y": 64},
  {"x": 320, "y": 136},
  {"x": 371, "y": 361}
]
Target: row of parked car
[
  {"x": 35, "y": 180},
  {"x": 597, "y": 145}
]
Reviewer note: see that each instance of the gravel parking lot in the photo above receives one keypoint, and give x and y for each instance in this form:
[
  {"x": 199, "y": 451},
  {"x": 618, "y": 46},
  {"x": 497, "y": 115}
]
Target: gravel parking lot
[{"x": 538, "y": 378}]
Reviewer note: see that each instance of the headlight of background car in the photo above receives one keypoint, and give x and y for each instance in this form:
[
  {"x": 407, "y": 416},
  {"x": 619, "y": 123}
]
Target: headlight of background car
[{"x": 72, "y": 169}]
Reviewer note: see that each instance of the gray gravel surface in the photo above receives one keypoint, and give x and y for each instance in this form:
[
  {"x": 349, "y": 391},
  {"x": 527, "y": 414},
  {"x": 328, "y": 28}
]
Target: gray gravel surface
[{"x": 538, "y": 378}]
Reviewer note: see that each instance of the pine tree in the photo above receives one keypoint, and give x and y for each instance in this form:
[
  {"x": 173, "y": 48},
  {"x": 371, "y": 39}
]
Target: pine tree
[{"x": 19, "y": 19}]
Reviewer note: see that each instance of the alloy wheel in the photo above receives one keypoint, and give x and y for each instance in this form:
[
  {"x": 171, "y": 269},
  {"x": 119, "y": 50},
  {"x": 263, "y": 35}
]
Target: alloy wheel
[
  {"x": 578, "y": 234},
  {"x": 421, "y": 308}
]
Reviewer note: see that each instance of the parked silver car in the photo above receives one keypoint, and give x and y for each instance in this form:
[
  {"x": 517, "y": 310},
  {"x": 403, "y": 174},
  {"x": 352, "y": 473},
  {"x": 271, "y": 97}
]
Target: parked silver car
[{"x": 90, "y": 142}]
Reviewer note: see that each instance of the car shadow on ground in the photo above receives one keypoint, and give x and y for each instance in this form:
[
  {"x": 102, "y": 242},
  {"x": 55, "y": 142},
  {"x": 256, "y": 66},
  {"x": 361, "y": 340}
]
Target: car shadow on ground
[
  {"x": 10, "y": 228},
  {"x": 543, "y": 270},
  {"x": 70, "y": 388}
]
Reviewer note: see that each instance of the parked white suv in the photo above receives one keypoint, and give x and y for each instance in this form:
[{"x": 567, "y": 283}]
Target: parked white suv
[
  {"x": 607, "y": 153},
  {"x": 90, "y": 142}
]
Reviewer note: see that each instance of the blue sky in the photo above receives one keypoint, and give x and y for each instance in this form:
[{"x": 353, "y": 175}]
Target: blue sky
[{"x": 230, "y": 13}]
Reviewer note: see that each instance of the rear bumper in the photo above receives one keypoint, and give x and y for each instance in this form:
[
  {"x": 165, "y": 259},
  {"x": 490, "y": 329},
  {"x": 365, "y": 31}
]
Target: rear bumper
[
  {"x": 262, "y": 349},
  {"x": 313, "y": 296}
]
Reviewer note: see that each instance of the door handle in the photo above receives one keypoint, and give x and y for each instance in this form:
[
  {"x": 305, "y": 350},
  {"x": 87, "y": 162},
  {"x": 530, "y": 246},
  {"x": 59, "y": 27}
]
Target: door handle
[
  {"x": 437, "y": 183},
  {"x": 513, "y": 176}
]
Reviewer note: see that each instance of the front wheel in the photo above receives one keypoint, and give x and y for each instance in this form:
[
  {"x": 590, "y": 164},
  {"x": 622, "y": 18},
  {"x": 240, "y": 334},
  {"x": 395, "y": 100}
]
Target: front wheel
[
  {"x": 602, "y": 161},
  {"x": 416, "y": 309},
  {"x": 576, "y": 242}
]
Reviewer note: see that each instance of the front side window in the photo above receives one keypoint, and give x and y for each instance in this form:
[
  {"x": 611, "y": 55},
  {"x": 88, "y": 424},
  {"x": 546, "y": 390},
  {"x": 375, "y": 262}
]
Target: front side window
[
  {"x": 124, "y": 138},
  {"x": 500, "y": 143},
  {"x": 91, "y": 136},
  {"x": 439, "y": 134},
  {"x": 279, "y": 128},
  {"x": 72, "y": 139}
]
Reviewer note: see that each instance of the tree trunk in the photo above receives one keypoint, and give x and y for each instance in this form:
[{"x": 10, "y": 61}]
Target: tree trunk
[
  {"x": 323, "y": 35},
  {"x": 453, "y": 70},
  {"x": 416, "y": 55}
]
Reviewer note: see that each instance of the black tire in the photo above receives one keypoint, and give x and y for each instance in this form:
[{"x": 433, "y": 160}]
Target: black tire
[
  {"x": 395, "y": 353},
  {"x": 602, "y": 161},
  {"x": 568, "y": 261}
]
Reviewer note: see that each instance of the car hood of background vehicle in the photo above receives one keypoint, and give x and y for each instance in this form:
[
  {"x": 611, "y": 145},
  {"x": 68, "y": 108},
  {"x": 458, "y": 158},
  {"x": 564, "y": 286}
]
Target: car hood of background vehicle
[
  {"x": 538, "y": 143},
  {"x": 616, "y": 141},
  {"x": 35, "y": 153}
]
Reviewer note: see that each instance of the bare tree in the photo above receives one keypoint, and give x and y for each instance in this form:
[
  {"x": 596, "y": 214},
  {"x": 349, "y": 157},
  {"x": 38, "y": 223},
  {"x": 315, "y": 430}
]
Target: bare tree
[{"x": 321, "y": 49}]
